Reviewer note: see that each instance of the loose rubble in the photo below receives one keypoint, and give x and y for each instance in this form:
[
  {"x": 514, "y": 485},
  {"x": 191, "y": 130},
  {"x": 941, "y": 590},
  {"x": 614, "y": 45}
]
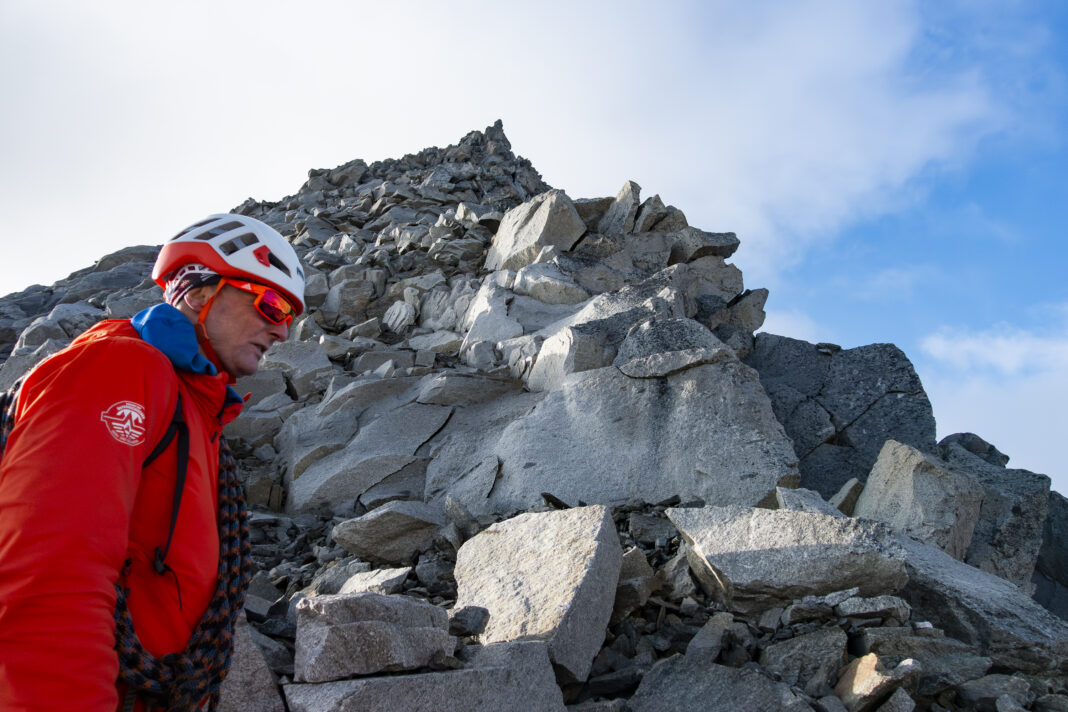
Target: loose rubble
[{"x": 526, "y": 451}]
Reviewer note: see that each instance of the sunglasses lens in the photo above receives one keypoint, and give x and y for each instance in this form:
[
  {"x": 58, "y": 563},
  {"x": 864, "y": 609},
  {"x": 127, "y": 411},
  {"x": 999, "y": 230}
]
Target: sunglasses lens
[{"x": 274, "y": 307}]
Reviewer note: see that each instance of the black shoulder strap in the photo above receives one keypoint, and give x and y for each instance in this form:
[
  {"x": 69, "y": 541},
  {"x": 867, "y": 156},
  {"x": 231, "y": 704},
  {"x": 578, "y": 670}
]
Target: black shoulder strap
[{"x": 177, "y": 428}]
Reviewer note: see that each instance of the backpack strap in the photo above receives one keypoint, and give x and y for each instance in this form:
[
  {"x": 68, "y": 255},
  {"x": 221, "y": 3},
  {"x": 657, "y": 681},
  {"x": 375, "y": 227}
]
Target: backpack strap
[{"x": 179, "y": 428}]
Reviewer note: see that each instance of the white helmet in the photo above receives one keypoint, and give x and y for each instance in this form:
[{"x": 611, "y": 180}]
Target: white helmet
[{"x": 236, "y": 246}]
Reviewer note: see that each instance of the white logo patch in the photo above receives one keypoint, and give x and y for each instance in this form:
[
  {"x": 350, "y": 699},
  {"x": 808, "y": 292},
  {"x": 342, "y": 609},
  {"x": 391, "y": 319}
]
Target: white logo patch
[{"x": 126, "y": 422}]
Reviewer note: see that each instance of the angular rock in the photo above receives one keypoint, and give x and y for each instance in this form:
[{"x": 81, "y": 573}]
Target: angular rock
[
  {"x": 712, "y": 637},
  {"x": 950, "y": 660},
  {"x": 983, "y": 610},
  {"x": 384, "y": 581},
  {"x": 637, "y": 581},
  {"x": 915, "y": 495},
  {"x": 546, "y": 283},
  {"x": 569, "y": 350},
  {"x": 548, "y": 220},
  {"x": 984, "y": 694},
  {"x": 250, "y": 686},
  {"x": 394, "y": 533},
  {"x": 690, "y": 684},
  {"x": 462, "y": 389},
  {"x": 620, "y": 215},
  {"x": 660, "y": 347},
  {"x": 441, "y": 342},
  {"x": 752, "y": 559},
  {"x": 804, "y": 500},
  {"x": 883, "y": 607},
  {"x": 549, "y": 576},
  {"x": 346, "y": 303},
  {"x": 864, "y": 683},
  {"x": 899, "y": 701},
  {"x": 1008, "y": 534},
  {"x": 1051, "y": 570},
  {"x": 840, "y": 406},
  {"x": 689, "y": 244},
  {"x": 383, "y": 447},
  {"x": 364, "y": 633},
  {"x": 796, "y": 660},
  {"x": 512, "y": 676},
  {"x": 304, "y": 363},
  {"x": 845, "y": 500}
]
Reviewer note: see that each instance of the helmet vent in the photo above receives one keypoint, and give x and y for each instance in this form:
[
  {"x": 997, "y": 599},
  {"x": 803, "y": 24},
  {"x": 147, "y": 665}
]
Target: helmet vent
[
  {"x": 219, "y": 230},
  {"x": 279, "y": 264},
  {"x": 241, "y": 241},
  {"x": 189, "y": 229}
]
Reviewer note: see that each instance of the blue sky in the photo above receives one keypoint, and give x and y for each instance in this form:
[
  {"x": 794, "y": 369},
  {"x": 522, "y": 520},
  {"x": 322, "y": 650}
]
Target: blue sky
[{"x": 895, "y": 171}]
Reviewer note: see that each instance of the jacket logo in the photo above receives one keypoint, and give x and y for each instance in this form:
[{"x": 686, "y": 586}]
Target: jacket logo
[{"x": 126, "y": 422}]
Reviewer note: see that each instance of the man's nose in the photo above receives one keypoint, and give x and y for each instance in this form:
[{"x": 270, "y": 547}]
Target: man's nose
[{"x": 279, "y": 332}]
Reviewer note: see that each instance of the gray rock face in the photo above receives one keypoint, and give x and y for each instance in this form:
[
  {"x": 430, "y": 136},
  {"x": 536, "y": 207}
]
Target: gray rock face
[
  {"x": 503, "y": 569},
  {"x": 364, "y": 633},
  {"x": 1008, "y": 535},
  {"x": 690, "y": 684},
  {"x": 915, "y": 495},
  {"x": 514, "y": 676},
  {"x": 387, "y": 445},
  {"x": 839, "y": 407},
  {"x": 304, "y": 363},
  {"x": 983, "y": 610},
  {"x": 620, "y": 437},
  {"x": 753, "y": 559},
  {"x": 1051, "y": 572}
]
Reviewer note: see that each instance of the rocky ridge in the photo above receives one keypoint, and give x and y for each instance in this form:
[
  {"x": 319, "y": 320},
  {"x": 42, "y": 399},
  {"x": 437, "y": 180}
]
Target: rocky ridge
[{"x": 526, "y": 451}]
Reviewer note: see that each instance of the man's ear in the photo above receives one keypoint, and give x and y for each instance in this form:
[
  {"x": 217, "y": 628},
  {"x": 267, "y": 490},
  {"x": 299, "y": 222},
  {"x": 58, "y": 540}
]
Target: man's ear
[{"x": 196, "y": 298}]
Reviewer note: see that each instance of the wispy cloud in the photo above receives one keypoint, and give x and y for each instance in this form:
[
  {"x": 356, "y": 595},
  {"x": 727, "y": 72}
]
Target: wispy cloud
[
  {"x": 1006, "y": 383},
  {"x": 1002, "y": 349},
  {"x": 781, "y": 121}
]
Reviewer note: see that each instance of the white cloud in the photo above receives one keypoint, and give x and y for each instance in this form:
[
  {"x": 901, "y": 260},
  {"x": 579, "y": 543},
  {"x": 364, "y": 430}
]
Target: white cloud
[
  {"x": 1023, "y": 416},
  {"x": 781, "y": 121},
  {"x": 1007, "y": 384},
  {"x": 1009, "y": 350}
]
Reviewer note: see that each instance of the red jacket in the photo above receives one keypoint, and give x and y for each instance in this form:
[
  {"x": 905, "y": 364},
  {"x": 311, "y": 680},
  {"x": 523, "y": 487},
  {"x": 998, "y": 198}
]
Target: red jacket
[{"x": 75, "y": 503}]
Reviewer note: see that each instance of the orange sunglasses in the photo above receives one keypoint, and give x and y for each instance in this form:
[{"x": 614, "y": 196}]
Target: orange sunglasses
[{"x": 270, "y": 303}]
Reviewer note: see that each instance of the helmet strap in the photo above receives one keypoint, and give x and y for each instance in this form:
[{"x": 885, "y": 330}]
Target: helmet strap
[{"x": 202, "y": 335}]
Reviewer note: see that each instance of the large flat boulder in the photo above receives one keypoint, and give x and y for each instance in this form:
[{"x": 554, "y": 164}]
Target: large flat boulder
[
  {"x": 840, "y": 406},
  {"x": 548, "y": 576},
  {"x": 706, "y": 432},
  {"x": 512, "y": 676},
  {"x": 754, "y": 559},
  {"x": 986, "y": 611}
]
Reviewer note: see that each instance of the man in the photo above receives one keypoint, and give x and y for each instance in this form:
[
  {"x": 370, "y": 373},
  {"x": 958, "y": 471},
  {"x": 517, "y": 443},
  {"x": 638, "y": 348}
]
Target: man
[{"x": 80, "y": 511}]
